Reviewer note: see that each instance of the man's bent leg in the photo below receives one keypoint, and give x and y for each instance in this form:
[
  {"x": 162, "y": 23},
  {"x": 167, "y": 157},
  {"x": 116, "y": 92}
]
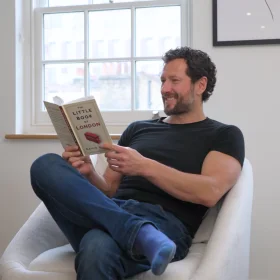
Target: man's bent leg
[
  {"x": 100, "y": 257},
  {"x": 82, "y": 203},
  {"x": 73, "y": 232}
]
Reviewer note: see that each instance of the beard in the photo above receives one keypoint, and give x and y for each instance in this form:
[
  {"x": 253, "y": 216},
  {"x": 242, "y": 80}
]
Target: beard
[{"x": 182, "y": 106}]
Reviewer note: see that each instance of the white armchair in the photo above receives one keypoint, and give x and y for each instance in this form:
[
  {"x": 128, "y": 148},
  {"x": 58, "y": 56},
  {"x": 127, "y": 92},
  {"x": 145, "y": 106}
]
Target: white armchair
[{"x": 220, "y": 249}]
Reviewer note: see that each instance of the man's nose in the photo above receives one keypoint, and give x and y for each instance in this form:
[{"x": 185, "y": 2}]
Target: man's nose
[{"x": 166, "y": 87}]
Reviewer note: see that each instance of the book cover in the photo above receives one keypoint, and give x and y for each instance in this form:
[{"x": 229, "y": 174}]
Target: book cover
[
  {"x": 80, "y": 123},
  {"x": 88, "y": 125}
]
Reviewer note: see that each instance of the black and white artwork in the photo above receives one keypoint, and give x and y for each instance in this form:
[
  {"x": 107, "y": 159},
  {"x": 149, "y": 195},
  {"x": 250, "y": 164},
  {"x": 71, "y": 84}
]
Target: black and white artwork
[{"x": 246, "y": 22}]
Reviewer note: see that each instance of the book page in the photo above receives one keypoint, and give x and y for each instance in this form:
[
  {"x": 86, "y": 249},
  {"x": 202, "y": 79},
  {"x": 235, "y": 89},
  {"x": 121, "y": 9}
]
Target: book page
[
  {"x": 61, "y": 126},
  {"x": 88, "y": 126}
]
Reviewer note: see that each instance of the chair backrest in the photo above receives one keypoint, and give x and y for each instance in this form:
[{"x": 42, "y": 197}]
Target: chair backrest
[{"x": 205, "y": 229}]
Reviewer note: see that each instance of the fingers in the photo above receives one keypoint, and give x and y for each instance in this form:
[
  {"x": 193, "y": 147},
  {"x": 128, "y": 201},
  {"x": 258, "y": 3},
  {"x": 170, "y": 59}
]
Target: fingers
[
  {"x": 71, "y": 151},
  {"x": 68, "y": 155},
  {"x": 115, "y": 151},
  {"x": 114, "y": 147},
  {"x": 115, "y": 168},
  {"x": 74, "y": 159},
  {"x": 113, "y": 155},
  {"x": 115, "y": 162},
  {"x": 71, "y": 148},
  {"x": 78, "y": 163}
]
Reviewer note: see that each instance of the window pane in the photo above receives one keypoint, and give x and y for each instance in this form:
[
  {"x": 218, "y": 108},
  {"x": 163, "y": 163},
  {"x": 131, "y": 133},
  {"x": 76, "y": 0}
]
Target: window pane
[
  {"x": 57, "y": 3},
  {"x": 110, "y": 34},
  {"x": 110, "y": 84},
  {"x": 155, "y": 39},
  {"x": 64, "y": 36},
  {"x": 64, "y": 80},
  {"x": 148, "y": 96}
]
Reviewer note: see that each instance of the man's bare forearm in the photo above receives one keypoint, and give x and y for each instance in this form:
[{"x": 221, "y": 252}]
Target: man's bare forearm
[
  {"x": 108, "y": 183},
  {"x": 99, "y": 181},
  {"x": 184, "y": 186}
]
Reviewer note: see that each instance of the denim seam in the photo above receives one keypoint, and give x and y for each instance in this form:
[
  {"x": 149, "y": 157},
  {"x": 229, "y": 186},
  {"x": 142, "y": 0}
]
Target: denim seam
[{"x": 132, "y": 237}]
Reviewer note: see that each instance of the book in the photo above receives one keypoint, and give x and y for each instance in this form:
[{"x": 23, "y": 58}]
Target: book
[{"x": 80, "y": 123}]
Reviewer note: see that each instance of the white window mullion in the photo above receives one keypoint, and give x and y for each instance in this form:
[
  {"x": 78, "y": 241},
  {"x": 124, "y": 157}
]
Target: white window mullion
[
  {"x": 133, "y": 51},
  {"x": 40, "y": 3},
  {"x": 38, "y": 71},
  {"x": 86, "y": 50},
  {"x": 109, "y": 6},
  {"x": 92, "y": 60}
]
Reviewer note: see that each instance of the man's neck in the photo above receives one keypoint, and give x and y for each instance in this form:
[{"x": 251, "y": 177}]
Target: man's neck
[{"x": 185, "y": 118}]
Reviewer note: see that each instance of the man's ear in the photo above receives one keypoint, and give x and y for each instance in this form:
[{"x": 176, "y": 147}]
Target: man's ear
[{"x": 201, "y": 85}]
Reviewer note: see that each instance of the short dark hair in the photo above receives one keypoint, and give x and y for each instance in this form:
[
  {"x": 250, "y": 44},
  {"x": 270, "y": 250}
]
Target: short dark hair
[{"x": 199, "y": 65}]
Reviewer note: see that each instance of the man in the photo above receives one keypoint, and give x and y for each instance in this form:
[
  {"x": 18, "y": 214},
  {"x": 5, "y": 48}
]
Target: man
[{"x": 161, "y": 178}]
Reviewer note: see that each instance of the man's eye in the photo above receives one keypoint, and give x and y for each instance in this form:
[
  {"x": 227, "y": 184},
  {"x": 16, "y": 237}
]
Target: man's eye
[{"x": 175, "y": 81}]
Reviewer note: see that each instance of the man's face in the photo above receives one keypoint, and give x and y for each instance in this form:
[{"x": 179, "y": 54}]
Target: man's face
[{"x": 176, "y": 88}]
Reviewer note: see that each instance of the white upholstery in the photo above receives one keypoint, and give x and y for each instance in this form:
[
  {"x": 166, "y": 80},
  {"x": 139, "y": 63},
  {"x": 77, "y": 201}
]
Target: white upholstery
[{"x": 220, "y": 250}]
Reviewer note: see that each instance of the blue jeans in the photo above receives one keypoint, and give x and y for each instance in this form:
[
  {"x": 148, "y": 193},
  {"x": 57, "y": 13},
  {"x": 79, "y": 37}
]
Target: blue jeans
[{"x": 101, "y": 230}]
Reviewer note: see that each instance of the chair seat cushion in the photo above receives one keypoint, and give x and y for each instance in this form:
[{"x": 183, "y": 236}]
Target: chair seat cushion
[{"x": 61, "y": 259}]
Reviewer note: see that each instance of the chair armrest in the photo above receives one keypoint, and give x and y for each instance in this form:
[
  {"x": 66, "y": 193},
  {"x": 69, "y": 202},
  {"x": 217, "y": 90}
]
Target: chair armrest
[
  {"x": 39, "y": 234},
  {"x": 228, "y": 250}
]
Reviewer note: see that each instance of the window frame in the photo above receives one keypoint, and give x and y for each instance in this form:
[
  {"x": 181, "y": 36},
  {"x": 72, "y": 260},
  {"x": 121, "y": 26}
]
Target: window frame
[{"x": 39, "y": 121}]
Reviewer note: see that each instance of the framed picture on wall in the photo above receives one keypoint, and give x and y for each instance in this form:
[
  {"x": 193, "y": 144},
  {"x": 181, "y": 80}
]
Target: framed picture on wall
[{"x": 246, "y": 22}]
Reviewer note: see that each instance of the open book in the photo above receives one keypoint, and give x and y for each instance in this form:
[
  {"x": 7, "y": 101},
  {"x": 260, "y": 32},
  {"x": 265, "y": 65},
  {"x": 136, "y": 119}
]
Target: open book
[{"x": 80, "y": 123}]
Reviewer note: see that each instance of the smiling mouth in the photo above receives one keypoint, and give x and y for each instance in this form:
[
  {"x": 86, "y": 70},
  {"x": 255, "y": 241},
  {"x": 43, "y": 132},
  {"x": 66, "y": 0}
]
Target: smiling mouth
[
  {"x": 169, "y": 99},
  {"x": 167, "y": 96}
]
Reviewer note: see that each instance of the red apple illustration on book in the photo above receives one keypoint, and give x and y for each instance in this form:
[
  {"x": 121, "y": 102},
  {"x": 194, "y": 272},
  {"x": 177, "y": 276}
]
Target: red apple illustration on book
[{"x": 92, "y": 137}]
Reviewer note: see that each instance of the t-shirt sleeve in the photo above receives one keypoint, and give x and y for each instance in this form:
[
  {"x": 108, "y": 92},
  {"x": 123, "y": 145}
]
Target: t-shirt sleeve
[
  {"x": 230, "y": 141},
  {"x": 126, "y": 136}
]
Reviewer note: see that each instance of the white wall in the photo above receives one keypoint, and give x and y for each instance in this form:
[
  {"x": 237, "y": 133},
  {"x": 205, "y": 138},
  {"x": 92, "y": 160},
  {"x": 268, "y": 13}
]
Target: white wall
[
  {"x": 16, "y": 198},
  {"x": 247, "y": 94}
]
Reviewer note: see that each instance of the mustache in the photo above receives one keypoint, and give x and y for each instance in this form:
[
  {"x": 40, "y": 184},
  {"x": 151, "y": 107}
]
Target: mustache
[{"x": 169, "y": 95}]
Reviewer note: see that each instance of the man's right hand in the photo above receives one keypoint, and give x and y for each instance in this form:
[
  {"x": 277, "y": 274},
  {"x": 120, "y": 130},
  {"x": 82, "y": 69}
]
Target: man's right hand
[{"x": 83, "y": 164}]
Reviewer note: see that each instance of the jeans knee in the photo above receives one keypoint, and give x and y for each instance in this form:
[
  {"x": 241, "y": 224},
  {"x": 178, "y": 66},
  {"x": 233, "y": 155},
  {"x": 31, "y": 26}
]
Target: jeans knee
[
  {"x": 43, "y": 162},
  {"x": 41, "y": 168},
  {"x": 99, "y": 253},
  {"x": 96, "y": 244}
]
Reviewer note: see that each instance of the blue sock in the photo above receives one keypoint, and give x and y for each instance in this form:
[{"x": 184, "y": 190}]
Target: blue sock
[{"x": 156, "y": 247}]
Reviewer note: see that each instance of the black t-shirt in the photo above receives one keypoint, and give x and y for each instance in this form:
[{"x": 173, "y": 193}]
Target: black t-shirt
[{"x": 180, "y": 146}]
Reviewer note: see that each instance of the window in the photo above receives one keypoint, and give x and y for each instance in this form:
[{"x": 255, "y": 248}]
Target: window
[{"x": 110, "y": 49}]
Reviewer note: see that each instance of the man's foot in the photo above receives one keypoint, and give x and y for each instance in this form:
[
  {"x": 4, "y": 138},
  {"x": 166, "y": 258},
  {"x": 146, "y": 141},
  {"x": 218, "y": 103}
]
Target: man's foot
[
  {"x": 163, "y": 257},
  {"x": 156, "y": 247}
]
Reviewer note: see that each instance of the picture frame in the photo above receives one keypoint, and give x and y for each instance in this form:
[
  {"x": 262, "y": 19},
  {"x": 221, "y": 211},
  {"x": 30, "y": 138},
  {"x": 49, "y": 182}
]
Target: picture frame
[{"x": 250, "y": 22}]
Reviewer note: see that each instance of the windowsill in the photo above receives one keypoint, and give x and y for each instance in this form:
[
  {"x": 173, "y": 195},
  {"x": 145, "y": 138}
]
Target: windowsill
[{"x": 45, "y": 136}]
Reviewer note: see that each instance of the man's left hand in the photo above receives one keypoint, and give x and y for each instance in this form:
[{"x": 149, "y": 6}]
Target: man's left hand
[{"x": 124, "y": 160}]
